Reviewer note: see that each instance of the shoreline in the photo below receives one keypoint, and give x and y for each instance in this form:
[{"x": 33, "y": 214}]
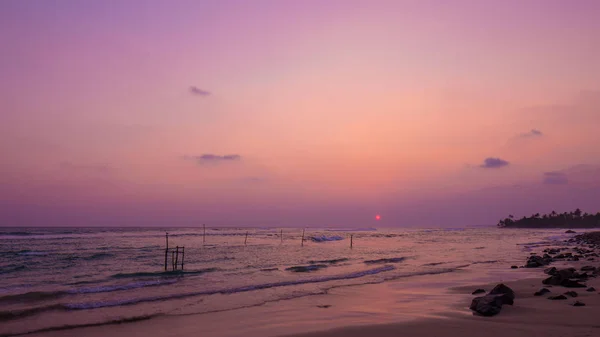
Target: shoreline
[{"x": 414, "y": 303}]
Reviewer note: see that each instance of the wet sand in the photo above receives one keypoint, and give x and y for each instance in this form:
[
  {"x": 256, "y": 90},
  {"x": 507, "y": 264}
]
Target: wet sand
[
  {"x": 529, "y": 316},
  {"x": 389, "y": 309}
]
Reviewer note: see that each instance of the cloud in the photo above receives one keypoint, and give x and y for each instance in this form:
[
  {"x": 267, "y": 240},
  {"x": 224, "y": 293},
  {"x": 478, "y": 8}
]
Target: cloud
[
  {"x": 199, "y": 92},
  {"x": 555, "y": 178},
  {"x": 213, "y": 158},
  {"x": 493, "y": 163},
  {"x": 531, "y": 134}
]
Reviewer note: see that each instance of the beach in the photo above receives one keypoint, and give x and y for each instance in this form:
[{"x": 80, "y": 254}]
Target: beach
[
  {"x": 530, "y": 315},
  {"x": 395, "y": 300}
]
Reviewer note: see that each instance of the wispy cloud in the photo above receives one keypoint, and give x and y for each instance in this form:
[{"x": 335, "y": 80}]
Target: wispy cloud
[
  {"x": 213, "y": 158},
  {"x": 493, "y": 163},
  {"x": 555, "y": 178},
  {"x": 531, "y": 133},
  {"x": 198, "y": 92}
]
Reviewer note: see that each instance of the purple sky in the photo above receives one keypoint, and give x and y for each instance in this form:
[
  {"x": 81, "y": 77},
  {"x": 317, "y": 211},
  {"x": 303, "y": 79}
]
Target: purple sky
[{"x": 297, "y": 113}]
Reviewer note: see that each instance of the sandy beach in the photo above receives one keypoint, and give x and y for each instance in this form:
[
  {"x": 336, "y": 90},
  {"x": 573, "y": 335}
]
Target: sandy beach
[
  {"x": 387, "y": 310},
  {"x": 529, "y": 316}
]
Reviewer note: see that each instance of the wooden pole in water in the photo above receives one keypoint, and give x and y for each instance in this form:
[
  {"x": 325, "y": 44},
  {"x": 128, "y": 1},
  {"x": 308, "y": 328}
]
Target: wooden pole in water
[
  {"x": 351, "y": 240},
  {"x": 173, "y": 259},
  {"x": 281, "y": 236},
  {"x": 204, "y": 234},
  {"x": 246, "y": 239},
  {"x": 182, "y": 256},
  {"x": 176, "y": 256},
  {"x": 302, "y": 243},
  {"x": 166, "y": 250}
]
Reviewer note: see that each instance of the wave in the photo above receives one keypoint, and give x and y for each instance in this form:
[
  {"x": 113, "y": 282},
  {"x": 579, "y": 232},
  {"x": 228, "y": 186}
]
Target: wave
[
  {"x": 17, "y": 314},
  {"x": 388, "y": 260},
  {"x": 106, "y": 289},
  {"x": 85, "y": 325},
  {"x": 333, "y": 261},
  {"x": 11, "y": 269},
  {"x": 38, "y": 296},
  {"x": 485, "y": 262},
  {"x": 305, "y": 269},
  {"x": 31, "y": 253},
  {"x": 95, "y": 305},
  {"x": 98, "y": 256},
  {"x": 434, "y": 263},
  {"x": 33, "y": 296},
  {"x": 164, "y": 273},
  {"x": 18, "y": 233},
  {"x": 324, "y": 238}
]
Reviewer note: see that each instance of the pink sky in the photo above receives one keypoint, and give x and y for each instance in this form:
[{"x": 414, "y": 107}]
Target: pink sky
[{"x": 333, "y": 111}]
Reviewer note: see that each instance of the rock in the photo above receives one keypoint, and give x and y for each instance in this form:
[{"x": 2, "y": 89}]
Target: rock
[
  {"x": 324, "y": 306},
  {"x": 588, "y": 268},
  {"x": 570, "y": 232},
  {"x": 514, "y": 267},
  {"x": 535, "y": 261},
  {"x": 562, "y": 278},
  {"x": 572, "y": 284},
  {"x": 550, "y": 271},
  {"x": 558, "y": 297},
  {"x": 478, "y": 291},
  {"x": 578, "y": 304},
  {"x": 488, "y": 305},
  {"x": 591, "y": 289},
  {"x": 571, "y": 293},
  {"x": 541, "y": 292},
  {"x": 502, "y": 289}
]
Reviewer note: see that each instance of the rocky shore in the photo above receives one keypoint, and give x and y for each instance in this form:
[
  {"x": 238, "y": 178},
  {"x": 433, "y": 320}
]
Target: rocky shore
[{"x": 582, "y": 252}]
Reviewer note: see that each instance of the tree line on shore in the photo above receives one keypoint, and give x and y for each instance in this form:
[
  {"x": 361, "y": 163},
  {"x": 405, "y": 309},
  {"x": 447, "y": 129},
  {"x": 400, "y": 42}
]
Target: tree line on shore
[{"x": 575, "y": 219}]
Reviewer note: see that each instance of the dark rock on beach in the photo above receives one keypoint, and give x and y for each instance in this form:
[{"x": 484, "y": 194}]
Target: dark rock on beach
[
  {"x": 578, "y": 304},
  {"x": 550, "y": 271},
  {"x": 591, "y": 289},
  {"x": 588, "y": 268},
  {"x": 571, "y": 293},
  {"x": 514, "y": 267},
  {"x": 535, "y": 261},
  {"x": 572, "y": 284},
  {"x": 502, "y": 289},
  {"x": 557, "y": 297},
  {"x": 563, "y": 278},
  {"x": 478, "y": 291},
  {"x": 541, "y": 292},
  {"x": 491, "y": 304},
  {"x": 570, "y": 232}
]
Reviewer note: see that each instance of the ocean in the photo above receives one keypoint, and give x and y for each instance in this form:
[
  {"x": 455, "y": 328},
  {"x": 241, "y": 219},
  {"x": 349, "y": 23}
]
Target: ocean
[{"x": 56, "y": 278}]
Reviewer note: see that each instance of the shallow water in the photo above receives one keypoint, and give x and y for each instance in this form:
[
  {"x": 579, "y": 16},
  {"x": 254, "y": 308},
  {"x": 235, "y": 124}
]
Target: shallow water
[{"x": 79, "y": 276}]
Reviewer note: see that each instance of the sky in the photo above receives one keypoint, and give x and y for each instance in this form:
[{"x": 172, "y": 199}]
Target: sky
[{"x": 297, "y": 113}]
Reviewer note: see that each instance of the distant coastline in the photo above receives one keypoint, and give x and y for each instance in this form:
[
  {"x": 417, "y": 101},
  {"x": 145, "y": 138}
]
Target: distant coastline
[{"x": 575, "y": 219}]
